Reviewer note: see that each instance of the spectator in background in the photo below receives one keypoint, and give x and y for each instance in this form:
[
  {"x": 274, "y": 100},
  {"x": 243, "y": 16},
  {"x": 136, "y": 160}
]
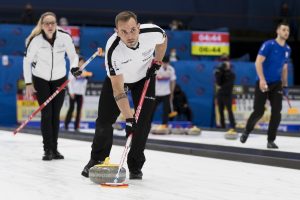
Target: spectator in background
[
  {"x": 176, "y": 25},
  {"x": 164, "y": 88},
  {"x": 63, "y": 22},
  {"x": 150, "y": 21},
  {"x": 28, "y": 15},
  {"x": 284, "y": 12},
  {"x": 225, "y": 80},
  {"x": 180, "y": 103},
  {"x": 77, "y": 88},
  {"x": 184, "y": 112},
  {"x": 173, "y": 55},
  {"x": 287, "y": 17}
]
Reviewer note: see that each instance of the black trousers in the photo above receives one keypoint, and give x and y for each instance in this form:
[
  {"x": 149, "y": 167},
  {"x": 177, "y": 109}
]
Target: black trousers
[
  {"x": 78, "y": 99},
  {"x": 275, "y": 97},
  {"x": 225, "y": 101},
  {"x": 50, "y": 114},
  {"x": 165, "y": 100},
  {"x": 108, "y": 112}
]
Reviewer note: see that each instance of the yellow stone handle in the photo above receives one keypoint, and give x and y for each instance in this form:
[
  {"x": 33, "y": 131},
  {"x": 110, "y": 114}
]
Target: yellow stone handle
[{"x": 107, "y": 163}]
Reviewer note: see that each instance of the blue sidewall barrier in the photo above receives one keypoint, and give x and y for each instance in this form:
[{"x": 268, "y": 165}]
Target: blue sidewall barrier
[
  {"x": 196, "y": 78},
  {"x": 9, "y": 76}
]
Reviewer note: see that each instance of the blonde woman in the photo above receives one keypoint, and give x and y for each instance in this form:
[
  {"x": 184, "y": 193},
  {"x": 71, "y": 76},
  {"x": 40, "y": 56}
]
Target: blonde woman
[{"x": 44, "y": 69}]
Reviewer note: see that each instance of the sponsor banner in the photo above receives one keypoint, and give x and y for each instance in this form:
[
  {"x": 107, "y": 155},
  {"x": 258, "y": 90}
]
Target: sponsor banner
[
  {"x": 210, "y": 43},
  {"x": 25, "y": 108},
  {"x": 242, "y": 106},
  {"x": 74, "y": 31},
  {"x": 88, "y": 115}
]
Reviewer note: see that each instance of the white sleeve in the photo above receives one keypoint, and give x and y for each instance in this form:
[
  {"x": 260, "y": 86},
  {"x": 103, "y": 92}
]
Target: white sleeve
[
  {"x": 112, "y": 62},
  {"x": 28, "y": 59},
  {"x": 71, "y": 52},
  {"x": 173, "y": 74},
  {"x": 159, "y": 36},
  {"x": 70, "y": 85}
]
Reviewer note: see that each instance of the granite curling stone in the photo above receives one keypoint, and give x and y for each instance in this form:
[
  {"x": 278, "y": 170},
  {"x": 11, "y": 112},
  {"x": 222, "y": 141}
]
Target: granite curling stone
[
  {"x": 106, "y": 173},
  {"x": 231, "y": 136}
]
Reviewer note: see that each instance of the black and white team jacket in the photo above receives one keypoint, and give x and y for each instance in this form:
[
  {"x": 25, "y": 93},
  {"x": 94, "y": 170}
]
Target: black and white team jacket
[
  {"x": 133, "y": 63},
  {"x": 46, "y": 61}
]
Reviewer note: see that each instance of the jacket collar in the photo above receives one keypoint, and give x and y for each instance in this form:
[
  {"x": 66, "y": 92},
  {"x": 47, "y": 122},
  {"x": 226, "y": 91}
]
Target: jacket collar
[{"x": 51, "y": 41}]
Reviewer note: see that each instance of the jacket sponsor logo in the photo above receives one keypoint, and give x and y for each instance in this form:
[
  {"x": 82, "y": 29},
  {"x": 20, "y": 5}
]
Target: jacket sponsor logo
[
  {"x": 286, "y": 54},
  {"x": 127, "y": 61},
  {"x": 147, "y": 58},
  {"x": 151, "y": 98},
  {"x": 146, "y": 53}
]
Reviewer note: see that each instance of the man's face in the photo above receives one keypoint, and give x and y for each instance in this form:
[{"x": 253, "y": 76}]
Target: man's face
[
  {"x": 128, "y": 31},
  {"x": 283, "y": 32}
]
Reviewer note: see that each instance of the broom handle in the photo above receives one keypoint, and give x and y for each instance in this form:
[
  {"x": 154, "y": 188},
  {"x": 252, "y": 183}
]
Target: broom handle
[
  {"x": 128, "y": 142},
  {"x": 288, "y": 101},
  {"x": 171, "y": 105}
]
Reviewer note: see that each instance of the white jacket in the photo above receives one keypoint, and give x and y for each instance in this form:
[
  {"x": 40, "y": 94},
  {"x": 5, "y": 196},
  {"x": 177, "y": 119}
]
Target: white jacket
[
  {"x": 164, "y": 77},
  {"x": 47, "y": 62}
]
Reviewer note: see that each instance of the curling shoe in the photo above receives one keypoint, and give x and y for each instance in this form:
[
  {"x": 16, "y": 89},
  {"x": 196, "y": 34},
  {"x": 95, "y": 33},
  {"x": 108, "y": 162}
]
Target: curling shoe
[
  {"x": 272, "y": 145},
  {"x": 48, "y": 155},
  {"x": 91, "y": 163},
  {"x": 57, "y": 155},
  {"x": 244, "y": 137},
  {"x": 138, "y": 175}
]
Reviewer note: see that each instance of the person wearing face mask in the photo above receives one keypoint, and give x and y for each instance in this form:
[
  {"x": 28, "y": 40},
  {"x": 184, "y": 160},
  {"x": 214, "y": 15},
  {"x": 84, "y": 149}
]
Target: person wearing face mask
[
  {"x": 44, "y": 69},
  {"x": 272, "y": 71},
  {"x": 129, "y": 63},
  {"x": 173, "y": 55}
]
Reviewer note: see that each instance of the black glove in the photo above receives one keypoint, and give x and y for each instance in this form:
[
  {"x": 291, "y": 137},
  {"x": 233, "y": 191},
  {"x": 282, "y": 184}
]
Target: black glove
[
  {"x": 151, "y": 72},
  {"x": 75, "y": 71},
  {"x": 130, "y": 126}
]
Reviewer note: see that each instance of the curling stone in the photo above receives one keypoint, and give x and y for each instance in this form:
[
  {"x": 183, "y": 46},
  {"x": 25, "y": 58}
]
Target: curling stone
[
  {"x": 231, "y": 135},
  {"x": 118, "y": 126},
  {"x": 194, "y": 131},
  {"x": 106, "y": 173},
  {"x": 160, "y": 130},
  {"x": 178, "y": 131}
]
